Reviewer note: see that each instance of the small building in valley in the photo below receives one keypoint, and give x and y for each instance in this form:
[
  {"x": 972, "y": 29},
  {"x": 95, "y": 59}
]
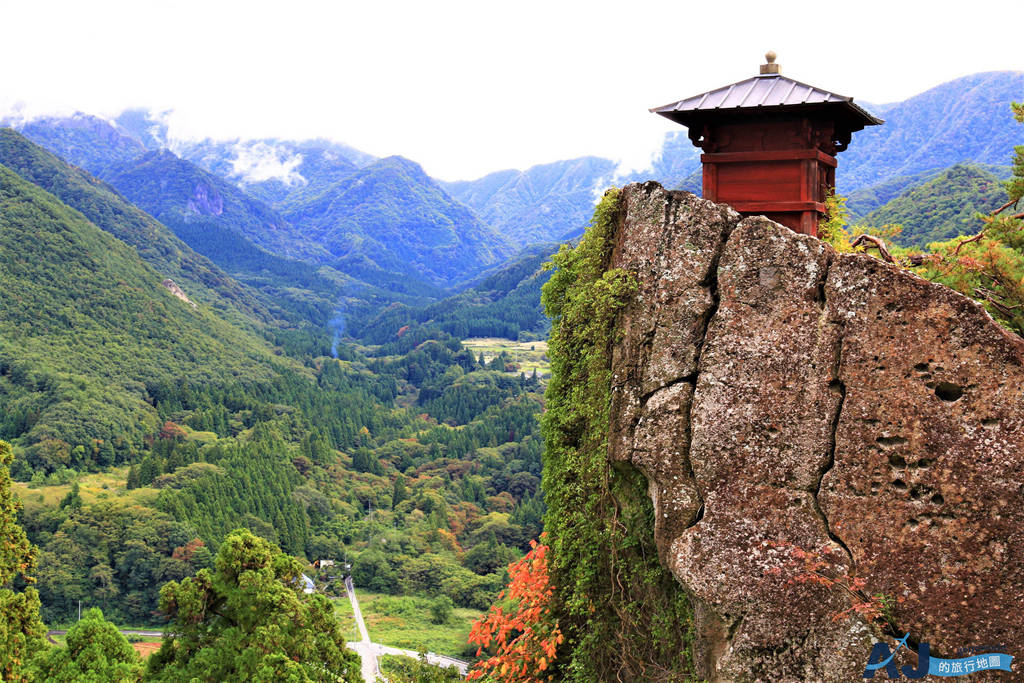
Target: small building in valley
[{"x": 770, "y": 144}]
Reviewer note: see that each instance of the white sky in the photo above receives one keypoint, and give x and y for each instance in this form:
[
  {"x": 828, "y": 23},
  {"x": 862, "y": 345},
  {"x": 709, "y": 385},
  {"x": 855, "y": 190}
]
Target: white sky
[{"x": 466, "y": 88}]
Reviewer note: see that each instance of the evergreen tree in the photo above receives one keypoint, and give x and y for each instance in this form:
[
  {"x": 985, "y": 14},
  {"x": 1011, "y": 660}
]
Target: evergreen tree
[
  {"x": 399, "y": 492},
  {"x": 21, "y": 630},
  {"x": 249, "y": 619},
  {"x": 72, "y": 501},
  {"x": 96, "y": 651}
]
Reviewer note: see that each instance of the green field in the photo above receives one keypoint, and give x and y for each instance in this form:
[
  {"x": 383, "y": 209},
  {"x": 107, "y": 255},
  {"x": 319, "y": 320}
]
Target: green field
[
  {"x": 343, "y": 610},
  {"x": 527, "y": 355},
  {"x": 94, "y": 487},
  {"x": 405, "y": 622}
]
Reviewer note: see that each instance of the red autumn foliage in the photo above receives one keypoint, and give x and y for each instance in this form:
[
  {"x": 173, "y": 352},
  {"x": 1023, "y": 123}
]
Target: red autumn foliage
[
  {"x": 521, "y": 626},
  {"x": 185, "y": 552},
  {"x": 172, "y": 431}
]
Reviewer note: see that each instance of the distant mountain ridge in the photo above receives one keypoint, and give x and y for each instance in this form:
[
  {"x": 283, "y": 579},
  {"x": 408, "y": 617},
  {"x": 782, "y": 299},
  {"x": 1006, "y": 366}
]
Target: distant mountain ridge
[
  {"x": 384, "y": 221},
  {"x": 965, "y": 120}
]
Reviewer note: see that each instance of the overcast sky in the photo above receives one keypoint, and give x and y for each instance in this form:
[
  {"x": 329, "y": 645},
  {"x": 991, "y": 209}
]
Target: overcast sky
[{"x": 466, "y": 88}]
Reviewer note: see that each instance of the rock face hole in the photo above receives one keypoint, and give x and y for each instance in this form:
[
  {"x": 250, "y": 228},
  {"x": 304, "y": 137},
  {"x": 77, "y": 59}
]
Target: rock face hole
[{"x": 949, "y": 392}]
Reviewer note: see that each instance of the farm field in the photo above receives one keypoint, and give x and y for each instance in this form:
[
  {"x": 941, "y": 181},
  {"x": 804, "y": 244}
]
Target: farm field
[
  {"x": 528, "y": 355},
  {"x": 405, "y": 622}
]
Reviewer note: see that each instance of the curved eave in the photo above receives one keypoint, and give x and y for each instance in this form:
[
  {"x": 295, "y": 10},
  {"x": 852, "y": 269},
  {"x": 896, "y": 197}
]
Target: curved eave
[{"x": 854, "y": 116}]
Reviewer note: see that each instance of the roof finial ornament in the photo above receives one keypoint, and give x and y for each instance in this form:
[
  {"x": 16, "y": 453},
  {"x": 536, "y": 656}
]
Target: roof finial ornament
[{"x": 771, "y": 68}]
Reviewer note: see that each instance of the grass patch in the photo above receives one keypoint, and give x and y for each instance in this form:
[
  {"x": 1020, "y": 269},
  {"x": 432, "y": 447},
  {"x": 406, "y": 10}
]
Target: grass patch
[
  {"x": 343, "y": 611},
  {"x": 528, "y": 355},
  {"x": 95, "y": 486},
  {"x": 405, "y": 622}
]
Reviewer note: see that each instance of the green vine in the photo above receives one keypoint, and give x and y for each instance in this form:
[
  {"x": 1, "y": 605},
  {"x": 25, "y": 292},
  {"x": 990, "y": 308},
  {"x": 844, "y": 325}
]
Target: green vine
[{"x": 624, "y": 615}]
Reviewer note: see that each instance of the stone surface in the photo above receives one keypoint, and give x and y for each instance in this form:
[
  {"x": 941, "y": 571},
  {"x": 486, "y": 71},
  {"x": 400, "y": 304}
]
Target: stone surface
[
  {"x": 671, "y": 241},
  {"x": 779, "y": 396}
]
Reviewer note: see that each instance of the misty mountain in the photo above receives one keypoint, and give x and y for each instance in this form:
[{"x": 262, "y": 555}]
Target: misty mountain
[
  {"x": 86, "y": 141},
  {"x": 282, "y": 173}
]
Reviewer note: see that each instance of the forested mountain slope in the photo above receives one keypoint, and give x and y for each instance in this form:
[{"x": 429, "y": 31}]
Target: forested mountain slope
[
  {"x": 539, "y": 204},
  {"x": 154, "y": 242},
  {"x": 86, "y": 325},
  {"x": 505, "y": 303},
  {"x": 943, "y": 207},
  {"x": 392, "y": 216},
  {"x": 968, "y": 119},
  {"x": 184, "y": 196},
  {"x": 221, "y": 222}
]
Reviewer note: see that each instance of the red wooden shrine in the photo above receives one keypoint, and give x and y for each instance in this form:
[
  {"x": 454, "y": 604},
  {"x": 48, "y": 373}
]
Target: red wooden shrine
[{"x": 770, "y": 144}]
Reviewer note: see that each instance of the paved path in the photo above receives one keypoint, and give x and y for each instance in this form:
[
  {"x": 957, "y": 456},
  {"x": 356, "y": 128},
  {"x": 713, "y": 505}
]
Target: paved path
[
  {"x": 128, "y": 632},
  {"x": 370, "y": 652}
]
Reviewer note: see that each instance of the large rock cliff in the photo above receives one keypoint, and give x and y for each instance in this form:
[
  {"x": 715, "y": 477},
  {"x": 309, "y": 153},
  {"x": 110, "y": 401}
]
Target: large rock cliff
[{"x": 780, "y": 397}]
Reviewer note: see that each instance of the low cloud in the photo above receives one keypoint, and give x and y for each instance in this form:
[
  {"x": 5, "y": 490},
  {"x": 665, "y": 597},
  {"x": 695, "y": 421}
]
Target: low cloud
[{"x": 258, "y": 161}]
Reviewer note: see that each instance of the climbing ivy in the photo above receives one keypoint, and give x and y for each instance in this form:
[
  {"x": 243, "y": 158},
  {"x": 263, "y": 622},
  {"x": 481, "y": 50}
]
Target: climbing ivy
[{"x": 623, "y": 614}]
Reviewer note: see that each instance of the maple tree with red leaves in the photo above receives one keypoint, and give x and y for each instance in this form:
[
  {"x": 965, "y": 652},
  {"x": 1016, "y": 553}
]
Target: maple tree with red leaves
[
  {"x": 521, "y": 625},
  {"x": 172, "y": 430}
]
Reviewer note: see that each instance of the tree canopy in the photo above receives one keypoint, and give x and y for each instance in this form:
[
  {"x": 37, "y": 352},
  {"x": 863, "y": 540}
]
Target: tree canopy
[
  {"x": 21, "y": 630},
  {"x": 248, "y": 619},
  {"x": 96, "y": 652}
]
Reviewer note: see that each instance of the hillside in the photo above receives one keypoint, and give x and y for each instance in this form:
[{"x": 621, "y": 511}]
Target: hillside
[
  {"x": 219, "y": 221},
  {"x": 539, "y": 204},
  {"x": 503, "y": 303},
  {"x": 391, "y": 216},
  {"x": 185, "y": 197},
  {"x": 943, "y": 207},
  {"x": 156, "y": 244},
  {"x": 86, "y": 141},
  {"x": 86, "y": 325},
  {"x": 968, "y": 119}
]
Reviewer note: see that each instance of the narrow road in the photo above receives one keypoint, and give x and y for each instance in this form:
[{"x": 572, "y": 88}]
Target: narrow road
[
  {"x": 364, "y": 635},
  {"x": 128, "y": 632},
  {"x": 369, "y": 651},
  {"x": 125, "y": 631},
  {"x": 364, "y": 648}
]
